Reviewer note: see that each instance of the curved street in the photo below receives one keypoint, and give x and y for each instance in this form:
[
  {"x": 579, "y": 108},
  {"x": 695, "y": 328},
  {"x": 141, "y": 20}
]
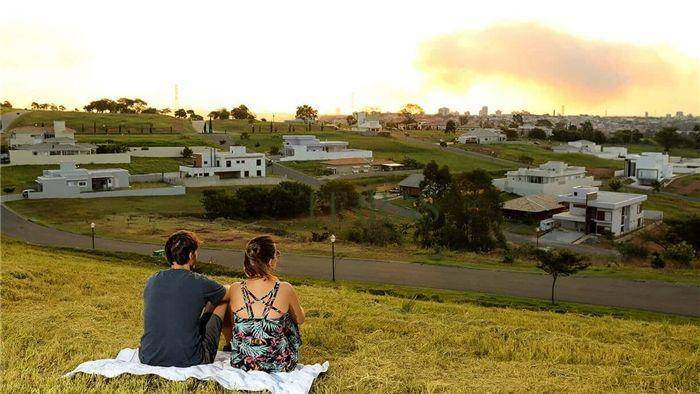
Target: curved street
[{"x": 683, "y": 299}]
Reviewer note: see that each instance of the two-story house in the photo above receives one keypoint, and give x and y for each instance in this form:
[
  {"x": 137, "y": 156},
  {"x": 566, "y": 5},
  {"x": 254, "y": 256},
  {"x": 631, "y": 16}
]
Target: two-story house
[
  {"x": 236, "y": 163},
  {"x": 308, "y": 147},
  {"x": 648, "y": 167},
  {"x": 593, "y": 211},
  {"x": 551, "y": 178}
]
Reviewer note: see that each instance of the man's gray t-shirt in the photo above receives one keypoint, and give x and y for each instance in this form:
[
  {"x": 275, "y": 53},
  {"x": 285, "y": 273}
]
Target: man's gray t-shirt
[{"x": 173, "y": 301}]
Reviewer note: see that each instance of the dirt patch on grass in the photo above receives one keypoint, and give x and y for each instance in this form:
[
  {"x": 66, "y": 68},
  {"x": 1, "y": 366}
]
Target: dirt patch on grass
[
  {"x": 686, "y": 186},
  {"x": 598, "y": 172}
]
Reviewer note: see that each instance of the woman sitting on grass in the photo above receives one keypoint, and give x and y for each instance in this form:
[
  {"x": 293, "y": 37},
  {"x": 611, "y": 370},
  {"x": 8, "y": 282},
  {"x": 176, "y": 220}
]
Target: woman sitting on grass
[{"x": 265, "y": 312}]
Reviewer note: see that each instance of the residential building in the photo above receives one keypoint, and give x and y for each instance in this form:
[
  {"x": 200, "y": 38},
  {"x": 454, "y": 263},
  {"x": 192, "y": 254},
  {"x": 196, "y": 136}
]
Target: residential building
[
  {"x": 484, "y": 111},
  {"x": 444, "y": 111},
  {"x": 580, "y": 146},
  {"x": 551, "y": 178},
  {"x": 236, "y": 163},
  {"x": 360, "y": 165},
  {"x": 410, "y": 186},
  {"x": 683, "y": 165},
  {"x": 648, "y": 167},
  {"x": 367, "y": 124},
  {"x": 481, "y": 136},
  {"x": 308, "y": 147},
  {"x": 534, "y": 207},
  {"x": 612, "y": 153},
  {"x": 69, "y": 180},
  {"x": 593, "y": 211},
  {"x": 30, "y": 135}
]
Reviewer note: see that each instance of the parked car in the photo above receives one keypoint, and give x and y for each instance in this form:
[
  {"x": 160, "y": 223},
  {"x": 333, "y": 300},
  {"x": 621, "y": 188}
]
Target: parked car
[{"x": 25, "y": 193}]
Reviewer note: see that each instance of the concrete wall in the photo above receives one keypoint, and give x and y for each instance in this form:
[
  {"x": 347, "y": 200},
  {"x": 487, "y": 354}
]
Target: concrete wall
[
  {"x": 553, "y": 189},
  {"x": 159, "y": 191},
  {"x": 369, "y": 174},
  {"x": 163, "y": 151},
  {"x": 213, "y": 181},
  {"x": 302, "y": 155},
  {"x": 22, "y": 157},
  {"x": 153, "y": 177}
]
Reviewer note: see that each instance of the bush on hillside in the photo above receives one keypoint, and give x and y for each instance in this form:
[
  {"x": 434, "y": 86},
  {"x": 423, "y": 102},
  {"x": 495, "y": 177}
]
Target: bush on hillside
[
  {"x": 657, "y": 261},
  {"x": 112, "y": 148},
  {"x": 682, "y": 253},
  {"x": 412, "y": 164},
  {"x": 286, "y": 200},
  {"x": 379, "y": 233},
  {"x": 340, "y": 193},
  {"x": 629, "y": 250}
]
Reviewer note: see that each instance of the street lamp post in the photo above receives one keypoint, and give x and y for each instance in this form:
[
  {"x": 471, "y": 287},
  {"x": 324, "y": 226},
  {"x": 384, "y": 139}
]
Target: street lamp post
[
  {"x": 92, "y": 226},
  {"x": 537, "y": 236},
  {"x": 333, "y": 256}
]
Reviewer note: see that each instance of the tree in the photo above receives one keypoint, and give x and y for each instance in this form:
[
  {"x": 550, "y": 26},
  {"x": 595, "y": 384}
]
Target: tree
[
  {"x": 307, "y": 113},
  {"x": 543, "y": 123},
  {"x": 150, "y": 110},
  {"x": 61, "y": 107},
  {"x": 511, "y": 134},
  {"x": 537, "y": 134},
  {"x": 224, "y": 114},
  {"x": 214, "y": 114},
  {"x": 615, "y": 184},
  {"x": 560, "y": 263},
  {"x": 241, "y": 112},
  {"x": 451, "y": 126},
  {"x": 518, "y": 119},
  {"x": 410, "y": 111},
  {"x": 463, "y": 120},
  {"x": 6, "y": 104},
  {"x": 340, "y": 193},
  {"x": 186, "y": 152},
  {"x": 34, "y": 105},
  {"x": 668, "y": 138},
  {"x": 656, "y": 185},
  {"x": 351, "y": 120},
  {"x": 165, "y": 111},
  {"x": 180, "y": 113}
]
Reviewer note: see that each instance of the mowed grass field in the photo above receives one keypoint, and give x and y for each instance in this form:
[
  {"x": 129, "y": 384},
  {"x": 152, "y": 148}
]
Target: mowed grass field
[
  {"x": 393, "y": 148},
  {"x": 61, "y": 308},
  {"x": 175, "y": 139},
  {"x": 23, "y": 177},
  {"x": 86, "y": 120}
]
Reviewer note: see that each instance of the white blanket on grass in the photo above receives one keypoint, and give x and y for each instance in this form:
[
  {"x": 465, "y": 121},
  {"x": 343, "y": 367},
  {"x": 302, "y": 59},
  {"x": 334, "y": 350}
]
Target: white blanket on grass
[{"x": 297, "y": 381}]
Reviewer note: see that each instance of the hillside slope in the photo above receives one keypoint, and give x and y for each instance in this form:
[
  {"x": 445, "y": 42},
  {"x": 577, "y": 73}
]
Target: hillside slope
[
  {"x": 61, "y": 308},
  {"x": 86, "y": 120}
]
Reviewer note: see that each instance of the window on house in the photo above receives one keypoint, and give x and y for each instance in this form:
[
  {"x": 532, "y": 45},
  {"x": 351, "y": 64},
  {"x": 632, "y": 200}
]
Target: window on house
[
  {"x": 228, "y": 163},
  {"x": 600, "y": 215},
  {"x": 247, "y": 174},
  {"x": 258, "y": 162},
  {"x": 82, "y": 183},
  {"x": 259, "y": 173}
]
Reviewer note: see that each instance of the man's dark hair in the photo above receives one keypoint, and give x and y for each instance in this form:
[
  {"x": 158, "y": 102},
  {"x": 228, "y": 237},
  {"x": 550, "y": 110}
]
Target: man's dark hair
[{"x": 180, "y": 245}]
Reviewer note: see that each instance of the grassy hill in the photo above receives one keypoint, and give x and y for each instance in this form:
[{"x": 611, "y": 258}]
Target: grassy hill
[
  {"x": 61, "y": 308},
  {"x": 86, "y": 120}
]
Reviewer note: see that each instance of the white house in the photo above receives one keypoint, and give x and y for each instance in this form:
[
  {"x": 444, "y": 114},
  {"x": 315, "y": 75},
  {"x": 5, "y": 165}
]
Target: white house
[
  {"x": 367, "y": 124},
  {"x": 70, "y": 180},
  {"x": 648, "y": 167},
  {"x": 685, "y": 165},
  {"x": 551, "y": 178},
  {"x": 308, "y": 147},
  {"x": 612, "y": 153},
  {"x": 580, "y": 146},
  {"x": 593, "y": 211},
  {"x": 30, "y": 135},
  {"x": 481, "y": 136},
  {"x": 236, "y": 163}
]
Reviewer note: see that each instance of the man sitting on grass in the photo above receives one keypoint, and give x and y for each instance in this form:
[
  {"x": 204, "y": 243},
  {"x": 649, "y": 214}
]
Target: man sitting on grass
[{"x": 183, "y": 311}]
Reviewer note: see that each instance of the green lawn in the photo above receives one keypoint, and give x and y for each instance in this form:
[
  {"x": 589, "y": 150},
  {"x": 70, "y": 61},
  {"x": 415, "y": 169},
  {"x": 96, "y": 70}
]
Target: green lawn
[
  {"x": 175, "y": 139},
  {"x": 23, "y": 177},
  {"x": 652, "y": 147},
  {"x": 392, "y": 148},
  {"x": 85, "y": 120},
  {"x": 61, "y": 308},
  {"x": 237, "y": 125}
]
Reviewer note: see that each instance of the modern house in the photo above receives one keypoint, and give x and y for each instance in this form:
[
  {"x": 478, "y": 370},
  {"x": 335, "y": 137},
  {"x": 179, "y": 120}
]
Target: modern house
[
  {"x": 551, "y": 178},
  {"x": 360, "y": 165},
  {"x": 648, "y": 167},
  {"x": 236, "y": 163},
  {"x": 308, "y": 147},
  {"x": 481, "y": 136},
  {"x": 30, "y": 135},
  {"x": 536, "y": 207},
  {"x": 593, "y": 211},
  {"x": 367, "y": 124},
  {"x": 683, "y": 165},
  {"x": 410, "y": 186},
  {"x": 580, "y": 146},
  {"x": 69, "y": 181}
]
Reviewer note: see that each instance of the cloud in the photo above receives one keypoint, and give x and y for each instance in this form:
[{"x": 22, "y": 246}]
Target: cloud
[{"x": 560, "y": 64}]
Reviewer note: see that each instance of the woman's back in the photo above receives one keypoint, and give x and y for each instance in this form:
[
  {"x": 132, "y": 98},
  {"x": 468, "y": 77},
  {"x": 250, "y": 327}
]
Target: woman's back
[{"x": 265, "y": 334}]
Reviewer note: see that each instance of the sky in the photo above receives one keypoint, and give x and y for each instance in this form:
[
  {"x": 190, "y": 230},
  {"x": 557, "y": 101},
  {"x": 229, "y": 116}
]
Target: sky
[{"x": 597, "y": 57}]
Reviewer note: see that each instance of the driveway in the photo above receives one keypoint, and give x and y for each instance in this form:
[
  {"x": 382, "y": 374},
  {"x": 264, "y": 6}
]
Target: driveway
[
  {"x": 656, "y": 296},
  {"x": 7, "y": 118}
]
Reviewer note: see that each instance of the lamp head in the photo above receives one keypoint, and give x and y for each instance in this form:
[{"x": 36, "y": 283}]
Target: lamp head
[
  {"x": 92, "y": 225},
  {"x": 332, "y": 238}
]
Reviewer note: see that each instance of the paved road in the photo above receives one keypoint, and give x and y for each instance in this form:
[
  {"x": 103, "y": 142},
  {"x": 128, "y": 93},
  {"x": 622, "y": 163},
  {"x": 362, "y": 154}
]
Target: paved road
[
  {"x": 8, "y": 117},
  {"x": 649, "y": 295}
]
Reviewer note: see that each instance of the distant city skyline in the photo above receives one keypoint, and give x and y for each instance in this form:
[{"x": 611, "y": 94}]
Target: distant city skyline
[{"x": 535, "y": 56}]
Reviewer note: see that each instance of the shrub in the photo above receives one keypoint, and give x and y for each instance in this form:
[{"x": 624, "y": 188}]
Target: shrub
[
  {"x": 186, "y": 153},
  {"x": 8, "y": 189},
  {"x": 682, "y": 253},
  {"x": 630, "y": 250},
  {"x": 508, "y": 257},
  {"x": 657, "y": 261},
  {"x": 342, "y": 193},
  {"x": 274, "y": 150},
  {"x": 379, "y": 233},
  {"x": 290, "y": 199},
  {"x": 615, "y": 184},
  {"x": 218, "y": 203},
  {"x": 112, "y": 148},
  {"x": 412, "y": 164},
  {"x": 286, "y": 200}
]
